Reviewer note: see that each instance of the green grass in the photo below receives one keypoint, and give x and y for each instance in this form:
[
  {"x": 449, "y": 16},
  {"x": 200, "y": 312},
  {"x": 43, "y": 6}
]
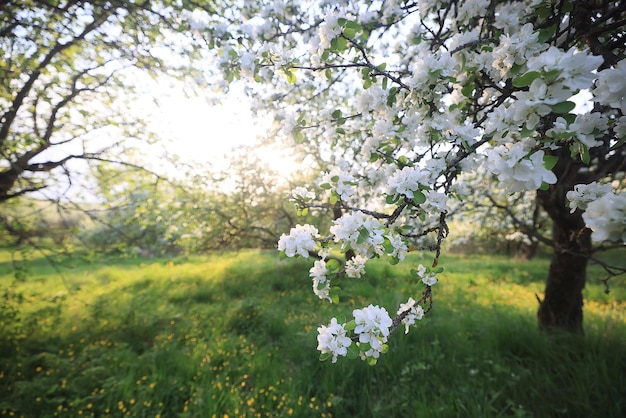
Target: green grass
[{"x": 234, "y": 334}]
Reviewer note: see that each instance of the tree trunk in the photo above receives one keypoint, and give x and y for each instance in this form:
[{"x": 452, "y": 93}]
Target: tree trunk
[{"x": 562, "y": 305}]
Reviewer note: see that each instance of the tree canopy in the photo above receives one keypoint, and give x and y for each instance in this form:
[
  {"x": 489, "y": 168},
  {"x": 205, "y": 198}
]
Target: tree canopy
[
  {"x": 68, "y": 70},
  {"x": 419, "y": 107}
]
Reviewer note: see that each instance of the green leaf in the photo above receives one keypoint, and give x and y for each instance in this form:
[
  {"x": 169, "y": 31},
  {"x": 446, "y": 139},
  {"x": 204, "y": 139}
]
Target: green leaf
[
  {"x": 334, "y": 294},
  {"x": 290, "y": 74},
  {"x": 335, "y": 178},
  {"x": 516, "y": 68},
  {"x": 387, "y": 246},
  {"x": 526, "y": 132},
  {"x": 569, "y": 117},
  {"x": 526, "y": 79},
  {"x": 550, "y": 161},
  {"x": 543, "y": 11},
  {"x": 333, "y": 266},
  {"x": 546, "y": 34},
  {"x": 298, "y": 136},
  {"x": 350, "y": 325},
  {"x": 467, "y": 90},
  {"x": 394, "y": 260},
  {"x": 372, "y": 361},
  {"x": 349, "y": 33},
  {"x": 385, "y": 81},
  {"x": 391, "y": 199},
  {"x": 326, "y": 186},
  {"x": 334, "y": 198},
  {"x": 325, "y": 356},
  {"x": 563, "y": 107},
  {"x": 364, "y": 346},
  {"x": 419, "y": 197},
  {"x": 353, "y": 351},
  {"x": 336, "y": 114},
  {"x": 342, "y": 44},
  {"x": 354, "y": 25},
  {"x": 363, "y": 235},
  {"x": 329, "y": 74}
]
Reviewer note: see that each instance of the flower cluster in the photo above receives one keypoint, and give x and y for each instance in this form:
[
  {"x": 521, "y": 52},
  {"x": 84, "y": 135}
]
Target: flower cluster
[
  {"x": 302, "y": 193},
  {"x": 426, "y": 275},
  {"x": 412, "y": 312},
  {"x": 372, "y": 327},
  {"x": 606, "y": 216},
  {"x": 332, "y": 340},
  {"x": 321, "y": 283},
  {"x": 342, "y": 184},
  {"x": 407, "y": 181},
  {"x": 610, "y": 87},
  {"x": 583, "y": 194},
  {"x": 359, "y": 232},
  {"x": 355, "y": 267},
  {"x": 516, "y": 169},
  {"x": 300, "y": 241}
]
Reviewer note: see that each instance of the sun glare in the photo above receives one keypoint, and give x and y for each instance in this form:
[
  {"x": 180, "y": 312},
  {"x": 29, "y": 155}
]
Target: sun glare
[{"x": 207, "y": 134}]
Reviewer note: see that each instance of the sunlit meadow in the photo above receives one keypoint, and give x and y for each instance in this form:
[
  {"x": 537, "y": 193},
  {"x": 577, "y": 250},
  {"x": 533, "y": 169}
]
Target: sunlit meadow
[{"x": 234, "y": 335}]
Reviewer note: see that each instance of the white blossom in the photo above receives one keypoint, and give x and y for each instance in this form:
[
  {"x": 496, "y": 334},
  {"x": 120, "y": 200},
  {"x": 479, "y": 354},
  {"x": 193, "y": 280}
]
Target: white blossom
[
  {"x": 517, "y": 171},
  {"x": 587, "y": 126},
  {"x": 575, "y": 67},
  {"x": 428, "y": 278},
  {"x": 321, "y": 284},
  {"x": 355, "y": 267},
  {"x": 415, "y": 313},
  {"x": 198, "y": 19},
  {"x": 407, "y": 181},
  {"x": 303, "y": 193},
  {"x": 360, "y": 232},
  {"x": 606, "y": 216},
  {"x": 515, "y": 49},
  {"x": 372, "y": 327},
  {"x": 300, "y": 241},
  {"x": 583, "y": 194},
  {"x": 611, "y": 86},
  {"x": 399, "y": 246},
  {"x": 343, "y": 183},
  {"x": 332, "y": 339}
]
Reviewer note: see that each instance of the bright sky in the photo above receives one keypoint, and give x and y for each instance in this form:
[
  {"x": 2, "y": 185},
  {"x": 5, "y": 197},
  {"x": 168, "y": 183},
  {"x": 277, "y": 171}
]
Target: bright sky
[{"x": 204, "y": 133}]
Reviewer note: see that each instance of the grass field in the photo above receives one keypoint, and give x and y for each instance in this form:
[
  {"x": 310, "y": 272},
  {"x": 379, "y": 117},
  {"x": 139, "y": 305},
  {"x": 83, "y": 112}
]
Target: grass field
[{"x": 234, "y": 335}]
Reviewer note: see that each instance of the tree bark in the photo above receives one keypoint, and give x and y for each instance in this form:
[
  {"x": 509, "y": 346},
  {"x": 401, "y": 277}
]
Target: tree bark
[{"x": 562, "y": 305}]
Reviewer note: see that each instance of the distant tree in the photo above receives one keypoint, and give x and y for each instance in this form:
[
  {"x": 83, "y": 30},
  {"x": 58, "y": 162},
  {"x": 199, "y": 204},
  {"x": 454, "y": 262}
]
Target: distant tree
[
  {"x": 242, "y": 205},
  {"x": 67, "y": 74}
]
